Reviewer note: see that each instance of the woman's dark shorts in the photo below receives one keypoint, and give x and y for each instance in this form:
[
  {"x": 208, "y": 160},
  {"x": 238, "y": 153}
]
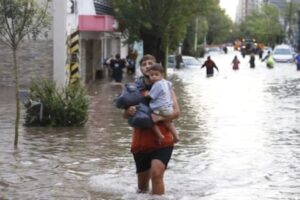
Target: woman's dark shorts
[{"x": 143, "y": 160}]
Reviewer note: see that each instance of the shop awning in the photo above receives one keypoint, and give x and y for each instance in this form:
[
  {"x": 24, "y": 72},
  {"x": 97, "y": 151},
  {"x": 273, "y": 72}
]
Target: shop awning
[{"x": 99, "y": 23}]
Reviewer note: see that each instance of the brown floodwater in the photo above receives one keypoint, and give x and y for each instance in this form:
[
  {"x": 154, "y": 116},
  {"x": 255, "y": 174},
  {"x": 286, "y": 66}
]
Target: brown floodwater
[{"x": 240, "y": 140}]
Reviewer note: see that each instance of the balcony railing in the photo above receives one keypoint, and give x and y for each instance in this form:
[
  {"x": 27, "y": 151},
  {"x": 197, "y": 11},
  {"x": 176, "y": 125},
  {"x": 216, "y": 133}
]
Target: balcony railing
[{"x": 103, "y": 7}]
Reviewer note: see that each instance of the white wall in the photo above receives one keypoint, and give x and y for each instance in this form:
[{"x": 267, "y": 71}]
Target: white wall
[
  {"x": 59, "y": 40},
  {"x": 123, "y": 48},
  {"x": 86, "y": 7}
]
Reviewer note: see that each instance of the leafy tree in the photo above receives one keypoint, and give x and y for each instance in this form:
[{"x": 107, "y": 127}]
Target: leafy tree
[
  {"x": 264, "y": 25},
  {"x": 211, "y": 25},
  {"x": 290, "y": 18},
  {"x": 161, "y": 24},
  {"x": 66, "y": 106},
  {"x": 219, "y": 26},
  {"x": 235, "y": 33},
  {"x": 19, "y": 18},
  {"x": 195, "y": 35}
]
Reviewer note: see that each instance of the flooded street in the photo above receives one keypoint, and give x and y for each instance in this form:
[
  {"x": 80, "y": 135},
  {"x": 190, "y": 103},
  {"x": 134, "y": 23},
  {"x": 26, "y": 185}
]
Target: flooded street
[{"x": 240, "y": 140}]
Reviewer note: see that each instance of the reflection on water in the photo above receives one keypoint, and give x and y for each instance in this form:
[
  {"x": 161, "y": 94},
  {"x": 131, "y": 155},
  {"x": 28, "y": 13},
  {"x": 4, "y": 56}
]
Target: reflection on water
[{"x": 239, "y": 140}]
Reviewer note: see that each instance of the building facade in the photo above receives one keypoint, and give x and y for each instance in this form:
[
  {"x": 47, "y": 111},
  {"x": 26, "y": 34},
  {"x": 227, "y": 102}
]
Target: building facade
[
  {"x": 280, "y": 4},
  {"x": 35, "y": 58},
  {"x": 292, "y": 30},
  {"x": 82, "y": 35},
  {"x": 245, "y": 8},
  {"x": 90, "y": 32}
]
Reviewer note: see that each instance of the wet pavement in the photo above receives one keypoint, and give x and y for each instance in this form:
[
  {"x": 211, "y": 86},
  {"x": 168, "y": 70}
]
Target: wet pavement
[{"x": 240, "y": 138}]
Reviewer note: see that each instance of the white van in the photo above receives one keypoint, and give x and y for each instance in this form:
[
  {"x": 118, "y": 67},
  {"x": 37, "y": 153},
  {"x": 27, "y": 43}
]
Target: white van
[{"x": 283, "y": 53}]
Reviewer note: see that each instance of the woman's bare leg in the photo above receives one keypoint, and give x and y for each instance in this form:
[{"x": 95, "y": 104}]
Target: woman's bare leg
[
  {"x": 143, "y": 181},
  {"x": 157, "y": 174}
]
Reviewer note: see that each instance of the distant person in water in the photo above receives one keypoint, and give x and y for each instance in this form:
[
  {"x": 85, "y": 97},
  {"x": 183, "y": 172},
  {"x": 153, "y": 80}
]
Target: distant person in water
[
  {"x": 210, "y": 65},
  {"x": 297, "y": 60},
  {"x": 269, "y": 60},
  {"x": 235, "y": 63},
  {"x": 252, "y": 61},
  {"x": 117, "y": 65}
]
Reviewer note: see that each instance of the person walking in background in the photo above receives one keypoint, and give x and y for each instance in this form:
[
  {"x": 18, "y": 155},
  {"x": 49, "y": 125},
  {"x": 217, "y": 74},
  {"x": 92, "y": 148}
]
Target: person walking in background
[
  {"x": 179, "y": 60},
  {"x": 130, "y": 66},
  {"x": 161, "y": 100},
  {"x": 266, "y": 57},
  {"x": 260, "y": 52},
  {"x": 210, "y": 65},
  {"x": 151, "y": 158},
  {"x": 243, "y": 52},
  {"x": 225, "y": 49},
  {"x": 235, "y": 63},
  {"x": 252, "y": 61},
  {"x": 297, "y": 60},
  {"x": 117, "y": 65},
  {"x": 108, "y": 68},
  {"x": 269, "y": 60},
  {"x": 132, "y": 56}
]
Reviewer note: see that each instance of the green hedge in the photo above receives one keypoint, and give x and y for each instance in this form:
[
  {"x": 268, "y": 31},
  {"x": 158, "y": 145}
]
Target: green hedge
[{"x": 61, "y": 107}]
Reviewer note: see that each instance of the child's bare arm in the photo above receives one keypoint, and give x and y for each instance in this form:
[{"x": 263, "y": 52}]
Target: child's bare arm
[{"x": 174, "y": 115}]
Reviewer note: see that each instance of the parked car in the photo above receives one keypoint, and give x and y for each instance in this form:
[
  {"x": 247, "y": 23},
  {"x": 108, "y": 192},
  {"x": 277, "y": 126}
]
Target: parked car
[
  {"x": 283, "y": 53},
  {"x": 171, "y": 61},
  {"x": 188, "y": 62},
  {"x": 212, "y": 51}
]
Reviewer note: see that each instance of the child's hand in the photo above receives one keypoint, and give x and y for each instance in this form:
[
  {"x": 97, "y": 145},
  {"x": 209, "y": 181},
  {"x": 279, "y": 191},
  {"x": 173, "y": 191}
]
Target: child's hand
[
  {"x": 156, "y": 118},
  {"x": 145, "y": 93}
]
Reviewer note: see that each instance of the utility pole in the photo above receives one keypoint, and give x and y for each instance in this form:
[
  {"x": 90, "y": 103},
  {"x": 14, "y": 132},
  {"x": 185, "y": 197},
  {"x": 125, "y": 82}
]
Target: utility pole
[
  {"x": 289, "y": 20},
  {"x": 196, "y": 35},
  {"x": 298, "y": 28}
]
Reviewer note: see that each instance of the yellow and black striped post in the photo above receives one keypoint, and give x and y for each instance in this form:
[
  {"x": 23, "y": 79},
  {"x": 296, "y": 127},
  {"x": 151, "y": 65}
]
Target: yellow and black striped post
[{"x": 73, "y": 57}]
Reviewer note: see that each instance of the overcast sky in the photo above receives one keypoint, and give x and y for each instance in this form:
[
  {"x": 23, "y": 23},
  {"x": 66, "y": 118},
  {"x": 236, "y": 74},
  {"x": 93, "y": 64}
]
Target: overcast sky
[{"x": 230, "y": 7}]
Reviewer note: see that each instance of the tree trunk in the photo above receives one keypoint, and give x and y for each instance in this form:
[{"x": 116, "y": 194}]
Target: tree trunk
[
  {"x": 153, "y": 46},
  {"x": 17, "y": 97},
  {"x": 166, "y": 60}
]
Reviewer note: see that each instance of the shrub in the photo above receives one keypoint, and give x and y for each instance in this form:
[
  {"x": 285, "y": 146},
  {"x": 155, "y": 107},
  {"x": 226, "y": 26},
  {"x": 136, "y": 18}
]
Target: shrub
[{"x": 61, "y": 107}]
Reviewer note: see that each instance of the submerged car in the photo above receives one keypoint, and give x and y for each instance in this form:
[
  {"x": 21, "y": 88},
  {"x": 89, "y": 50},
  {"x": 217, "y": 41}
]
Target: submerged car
[
  {"x": 283, "y": 53},
  {"x": 213, "y": 51},
  {"x": 188, "y": 62}
]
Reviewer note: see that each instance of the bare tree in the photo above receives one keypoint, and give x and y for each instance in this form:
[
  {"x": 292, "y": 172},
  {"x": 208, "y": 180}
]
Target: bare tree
[{"x": 19, "y": 18}]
